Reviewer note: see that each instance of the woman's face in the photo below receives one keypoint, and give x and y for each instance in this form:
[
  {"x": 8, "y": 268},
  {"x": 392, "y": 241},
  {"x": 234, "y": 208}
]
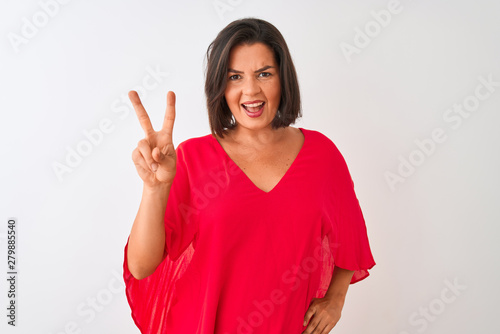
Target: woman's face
[{"x": 253, "y": 88}]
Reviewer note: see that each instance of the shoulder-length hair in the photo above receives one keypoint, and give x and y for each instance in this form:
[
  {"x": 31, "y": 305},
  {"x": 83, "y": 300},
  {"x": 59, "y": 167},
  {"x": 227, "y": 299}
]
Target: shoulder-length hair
[{"x": 248, "y": 31}]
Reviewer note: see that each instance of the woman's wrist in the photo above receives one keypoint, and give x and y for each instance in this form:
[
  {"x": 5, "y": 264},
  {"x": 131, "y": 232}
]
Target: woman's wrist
[
  {"x": 159, "y": 192},
  {"x": 336, "y": 300},
  {"x": 160, "y": 188}
]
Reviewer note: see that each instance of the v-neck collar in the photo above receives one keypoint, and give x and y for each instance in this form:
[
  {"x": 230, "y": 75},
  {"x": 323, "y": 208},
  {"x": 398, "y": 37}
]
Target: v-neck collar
[{"x": 292, "y": 165}]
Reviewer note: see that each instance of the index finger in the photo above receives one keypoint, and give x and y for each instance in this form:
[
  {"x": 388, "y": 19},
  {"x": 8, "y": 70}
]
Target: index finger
[
  {"x": 142, "y": 115},
  {"x": 168, "y": 121}
]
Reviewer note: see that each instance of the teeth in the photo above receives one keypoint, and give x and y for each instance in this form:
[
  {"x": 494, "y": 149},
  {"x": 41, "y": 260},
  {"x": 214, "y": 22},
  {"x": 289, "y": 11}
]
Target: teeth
[{"x": 254, "y": 104}]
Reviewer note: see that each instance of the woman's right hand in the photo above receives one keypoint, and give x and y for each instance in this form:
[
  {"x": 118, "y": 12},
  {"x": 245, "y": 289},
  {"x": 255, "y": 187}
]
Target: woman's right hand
[{"x": 154, "y": 157}]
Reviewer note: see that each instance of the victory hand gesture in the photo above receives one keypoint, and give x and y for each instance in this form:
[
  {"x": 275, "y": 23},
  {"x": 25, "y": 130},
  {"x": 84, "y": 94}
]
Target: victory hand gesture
[{"x": 154, "y": 157}]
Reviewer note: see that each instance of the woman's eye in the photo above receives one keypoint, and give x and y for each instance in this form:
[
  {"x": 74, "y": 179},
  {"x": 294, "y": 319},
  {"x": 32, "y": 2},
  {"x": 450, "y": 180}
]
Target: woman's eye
[
  {"x": 265, "y": 74},
  {"x": 234, "y": 77}
]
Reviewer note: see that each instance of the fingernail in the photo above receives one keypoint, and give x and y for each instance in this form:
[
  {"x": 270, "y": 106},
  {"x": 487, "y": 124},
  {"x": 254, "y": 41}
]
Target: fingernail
[{"x": 154, "y": 167}]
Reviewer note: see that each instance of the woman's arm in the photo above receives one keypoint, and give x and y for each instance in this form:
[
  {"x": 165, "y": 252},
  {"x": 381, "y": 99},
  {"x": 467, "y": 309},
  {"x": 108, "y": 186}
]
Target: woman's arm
[
  {"x": 339, "y": 284},
  {"x": 146, "y": 244},
  {"x": 327, "y": 310},
  {"x": 155, "y": 159}
]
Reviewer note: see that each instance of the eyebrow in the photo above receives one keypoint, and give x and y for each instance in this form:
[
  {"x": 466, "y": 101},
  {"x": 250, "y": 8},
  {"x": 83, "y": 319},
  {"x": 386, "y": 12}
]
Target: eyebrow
[{"x": 259, "y": 70}]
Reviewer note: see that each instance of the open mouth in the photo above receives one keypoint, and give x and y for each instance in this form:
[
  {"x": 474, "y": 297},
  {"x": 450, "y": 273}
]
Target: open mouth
[{"x": 253, "y": 107}]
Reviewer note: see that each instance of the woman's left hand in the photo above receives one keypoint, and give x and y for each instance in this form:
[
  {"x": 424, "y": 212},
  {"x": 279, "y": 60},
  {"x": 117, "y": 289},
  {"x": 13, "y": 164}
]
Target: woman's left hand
[{"x": 326, "y": 312}]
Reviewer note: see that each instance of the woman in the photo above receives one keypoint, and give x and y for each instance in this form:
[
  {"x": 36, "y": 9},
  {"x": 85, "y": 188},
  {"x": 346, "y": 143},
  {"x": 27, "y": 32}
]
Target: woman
[{"x": 254, "y": 228}]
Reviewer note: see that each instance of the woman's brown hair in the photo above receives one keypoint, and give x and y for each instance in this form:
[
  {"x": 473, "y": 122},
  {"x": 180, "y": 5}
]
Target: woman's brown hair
[{"x": 249, "y": 31}]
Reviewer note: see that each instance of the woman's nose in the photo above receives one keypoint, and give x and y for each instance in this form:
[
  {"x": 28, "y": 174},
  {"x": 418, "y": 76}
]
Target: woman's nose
[{"x": 251, "y": 87}]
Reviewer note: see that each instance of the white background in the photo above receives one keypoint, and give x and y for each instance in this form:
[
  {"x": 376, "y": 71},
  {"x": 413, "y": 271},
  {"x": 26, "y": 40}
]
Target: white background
[{"x": 439, "y": 225}]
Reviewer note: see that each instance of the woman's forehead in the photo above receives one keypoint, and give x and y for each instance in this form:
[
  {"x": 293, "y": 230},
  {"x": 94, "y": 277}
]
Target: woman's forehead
[{"x": 251, "y": 57}]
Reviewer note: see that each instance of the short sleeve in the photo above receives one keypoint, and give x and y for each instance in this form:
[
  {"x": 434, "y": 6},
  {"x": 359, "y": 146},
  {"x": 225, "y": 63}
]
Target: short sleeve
[
  {"x": 150, "y": 298},
  {"x": 347, "y": 233}
]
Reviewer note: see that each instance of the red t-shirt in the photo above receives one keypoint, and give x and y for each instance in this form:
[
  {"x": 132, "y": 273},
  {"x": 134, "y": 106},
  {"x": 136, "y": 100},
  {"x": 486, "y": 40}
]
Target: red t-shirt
[{"x": 241, "y": 260}]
